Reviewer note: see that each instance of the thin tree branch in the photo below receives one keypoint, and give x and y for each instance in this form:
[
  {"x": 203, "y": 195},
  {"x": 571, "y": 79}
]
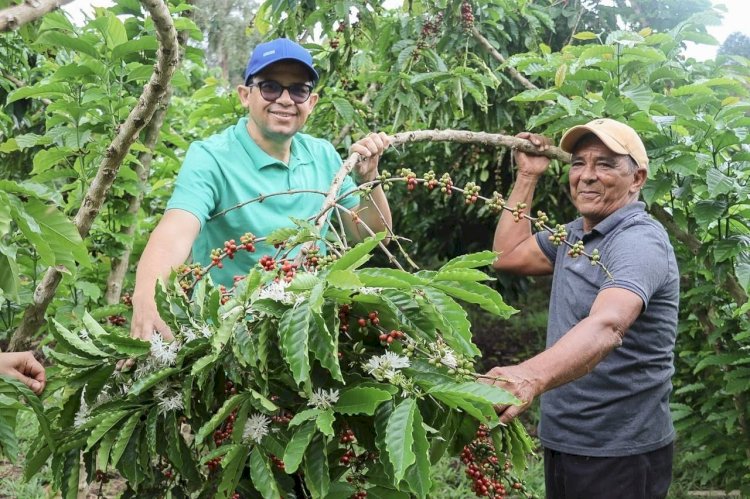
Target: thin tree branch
[
  {"x": 460, "y": 136},
  {"x": 499, "y": 57},
  {"x": 18, "y": 83},
  {"x": 167, "y": 60},
  {"x": 31, "y": 10}
]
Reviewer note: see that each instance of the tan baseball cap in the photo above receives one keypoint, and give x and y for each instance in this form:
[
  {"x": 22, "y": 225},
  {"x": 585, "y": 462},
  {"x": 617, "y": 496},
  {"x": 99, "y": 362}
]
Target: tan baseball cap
[{"x": 618, "y": 137}]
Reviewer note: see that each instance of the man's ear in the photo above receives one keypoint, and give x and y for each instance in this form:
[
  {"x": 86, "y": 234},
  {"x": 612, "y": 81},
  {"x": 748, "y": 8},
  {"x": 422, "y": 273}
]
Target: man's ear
[
  {"x": 244, "y": 94},
  {"x": 639, "y": 179},
  {"x": 313, "y": 100}
]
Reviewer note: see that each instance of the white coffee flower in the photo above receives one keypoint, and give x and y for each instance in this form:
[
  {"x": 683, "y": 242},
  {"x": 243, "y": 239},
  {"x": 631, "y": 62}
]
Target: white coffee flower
[
  {"x": 165, "y": 353},
  {"x": 385, "y": 366},
  {"x": 323, "y": 399},
  {"x": 144, "y": 368},
  {"x": 83, "y": 414},
  {"x": 170, "y": 403},
  {"x": 256, "y": 427},
  {"x": 369, "y": 291},
  {"x": 275, "y": 291},
  {"x": 188, "y": 333},
  {"x": 449, "y": 358},
  {"x": 206, "y": 331}
]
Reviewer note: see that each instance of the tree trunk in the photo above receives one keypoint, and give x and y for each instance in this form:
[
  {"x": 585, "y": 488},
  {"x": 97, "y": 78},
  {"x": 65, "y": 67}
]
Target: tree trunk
[
  {"x": 143, "y": 167},
  {"x": 153, "y": 92}
]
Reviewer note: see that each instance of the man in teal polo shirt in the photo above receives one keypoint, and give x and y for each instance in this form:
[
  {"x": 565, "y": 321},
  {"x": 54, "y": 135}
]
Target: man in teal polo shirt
[{"x": 263, "y": 153}]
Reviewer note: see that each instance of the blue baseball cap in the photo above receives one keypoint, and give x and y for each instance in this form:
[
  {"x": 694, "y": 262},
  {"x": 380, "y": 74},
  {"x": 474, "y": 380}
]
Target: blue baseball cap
[{"x": 280, "y": 49}]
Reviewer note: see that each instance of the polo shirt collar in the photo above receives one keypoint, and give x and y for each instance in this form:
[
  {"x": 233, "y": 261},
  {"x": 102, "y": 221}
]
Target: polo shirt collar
[
  {"x": 260, "y": 158},
  {"x": 614, "y": 219}
]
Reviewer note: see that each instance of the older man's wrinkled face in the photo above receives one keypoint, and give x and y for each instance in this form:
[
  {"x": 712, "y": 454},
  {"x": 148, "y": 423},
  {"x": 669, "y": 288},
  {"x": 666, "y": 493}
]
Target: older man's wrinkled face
[{"x": 602, "y": 181}]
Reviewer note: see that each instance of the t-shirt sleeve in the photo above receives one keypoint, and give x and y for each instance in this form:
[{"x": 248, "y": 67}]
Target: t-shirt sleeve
[
  {"x": 197, "y": 186},
  {"x": 638, "y": 260},
  {"x": 549, "y": 249}
]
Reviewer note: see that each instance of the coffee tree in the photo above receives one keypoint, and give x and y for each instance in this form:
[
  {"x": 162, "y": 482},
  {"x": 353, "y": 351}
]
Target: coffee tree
[{"x": 498, "y": 65}]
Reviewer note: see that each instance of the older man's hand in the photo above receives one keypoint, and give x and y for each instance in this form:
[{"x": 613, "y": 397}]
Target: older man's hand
[
  {"x": 532, "y": 164},
  {"x": 518, "y": 380}
]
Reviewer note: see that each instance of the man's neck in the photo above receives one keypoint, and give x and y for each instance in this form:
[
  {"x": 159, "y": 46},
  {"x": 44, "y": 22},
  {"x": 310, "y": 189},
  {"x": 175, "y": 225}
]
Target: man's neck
[{"x": 279, "y": 149}]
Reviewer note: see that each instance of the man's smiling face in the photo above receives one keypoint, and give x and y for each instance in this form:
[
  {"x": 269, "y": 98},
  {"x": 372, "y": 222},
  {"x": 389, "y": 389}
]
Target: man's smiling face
[
  {"x": 281, "y": 119},
  {"x": 602, "y": 181}
]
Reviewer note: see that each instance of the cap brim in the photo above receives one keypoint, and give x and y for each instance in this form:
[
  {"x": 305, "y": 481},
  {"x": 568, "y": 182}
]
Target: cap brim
[
  {"x": 310, "y": 69},
  {"x": 572, "y": 136}
]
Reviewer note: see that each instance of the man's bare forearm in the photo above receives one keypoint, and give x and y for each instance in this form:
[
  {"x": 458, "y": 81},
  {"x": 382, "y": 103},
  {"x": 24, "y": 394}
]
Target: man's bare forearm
[{"x": 509, "y": 233}]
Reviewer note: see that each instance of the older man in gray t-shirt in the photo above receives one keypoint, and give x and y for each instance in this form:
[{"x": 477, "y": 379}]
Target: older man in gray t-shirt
[{"x": 605, "y": 375}]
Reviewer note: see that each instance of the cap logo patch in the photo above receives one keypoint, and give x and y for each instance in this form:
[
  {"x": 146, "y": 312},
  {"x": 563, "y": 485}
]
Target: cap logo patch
[{"x": 270, "y": 52}]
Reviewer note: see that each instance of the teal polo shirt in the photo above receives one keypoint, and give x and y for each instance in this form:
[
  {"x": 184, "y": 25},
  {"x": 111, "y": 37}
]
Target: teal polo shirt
[{"x": 229, "y": 168}]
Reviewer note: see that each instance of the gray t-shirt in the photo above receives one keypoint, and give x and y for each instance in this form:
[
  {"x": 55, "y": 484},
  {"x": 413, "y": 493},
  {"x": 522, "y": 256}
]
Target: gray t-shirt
[{"x": 622, "y": 407}]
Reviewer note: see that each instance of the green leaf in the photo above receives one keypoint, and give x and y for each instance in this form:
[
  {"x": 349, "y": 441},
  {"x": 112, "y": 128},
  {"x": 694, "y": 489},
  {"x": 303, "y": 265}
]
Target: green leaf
[
  {"x": 470, "y": 261},
  {"x": 481, "y": 391},
  {"x": 264, "y": 402},
  {"x": 115, "y": 34},
  {"x": 709, "y": 212},
  {"x": 418, "y": 475},
  {"x": 295, "y": 449},
  {"x": 317, "y": 476},
  {"x": 123, "y": 438},
  {"x": 455, "y": 274},
  {"x": 361, "y": 400},
  {"x": 70, "y": 476},
  {"x": 344, "y": 108},
  {"x": 227, "y": 327},
  {"x": 56, "y": 40},
  {"x": 389, "y": 278},
  {"x": 222, "y": 414},
  {"x": 345, "y": 279},
  {"x": 718, "y": 183},
  {"x": 152, "y": 379},
  {"x": 585, "y": 35},
  {"x": 35, "y": 404},
  {"x": 125, "y": 345},
  {"x": 232, "y": 466},
  {"x": 142, "y": 44},
  {"x": 535, "y": 95},
  {"x": 358, "y": 255},
  {"x": 31, "y": 230},
  {"x": 455, "y": 322},
  {"x": 324, "y": 347},
  {"x": 294, "y": 337},
  {"x": 304, "y": 415},
  {"x": 75, "y": 343},
  {"x": 472, "y": 292},
  {"x": 642, "y": 96},
  {"x": 261, "y": 475},
  {"x": 203, "y": 363},
  {"x": 61, "y": 234},
  {"x": 9, "y": 280},
  {"x": 106, "y": 424},
  {"x": 39, "y": 91},
  {"x": 324, "y": 422},
  {"x": 399, "y": 437}
]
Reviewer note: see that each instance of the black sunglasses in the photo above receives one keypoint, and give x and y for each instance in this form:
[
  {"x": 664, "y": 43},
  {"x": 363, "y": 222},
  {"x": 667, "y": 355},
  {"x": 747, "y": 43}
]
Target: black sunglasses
[{"x": 272, "y": 90}]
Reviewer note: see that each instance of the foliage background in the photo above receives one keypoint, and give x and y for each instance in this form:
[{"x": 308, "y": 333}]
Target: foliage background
[{"x": 66, "y": 88}]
